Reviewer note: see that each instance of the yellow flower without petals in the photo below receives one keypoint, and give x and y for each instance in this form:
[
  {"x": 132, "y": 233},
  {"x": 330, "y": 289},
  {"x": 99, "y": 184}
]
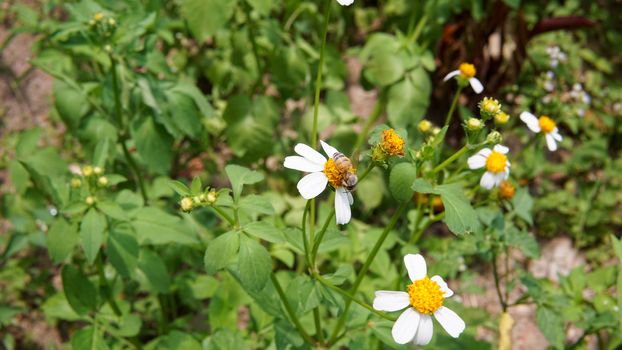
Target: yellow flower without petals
[
  {"x": 501, "y": 118},
  {"x": 87, "y": 170},
  {"x": 424, "y": 126},
  {"x": 392, "y": 143},
  {"x": 467, "y": 70},
  {"x": 506, "y": 190}
]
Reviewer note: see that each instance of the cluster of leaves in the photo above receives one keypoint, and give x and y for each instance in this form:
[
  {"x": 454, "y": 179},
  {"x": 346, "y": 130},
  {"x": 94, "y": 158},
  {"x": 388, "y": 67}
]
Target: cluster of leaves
[{"x": 147, "y": 90}]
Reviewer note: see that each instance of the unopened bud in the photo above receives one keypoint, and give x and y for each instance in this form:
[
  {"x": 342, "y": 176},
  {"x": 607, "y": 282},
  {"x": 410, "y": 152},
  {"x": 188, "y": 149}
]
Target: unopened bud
[
  {"x": 425, "y": 126},
  {"x": 98, "y": 170},
  {"x": 90, "y": 200},
  {"x": 186, "y": 204},
  {"x": 501, "y": 118},
  {"x": 474, "y": 124},
  {"x": 87, "y": 170},
  {"x": 494, "y": 137},
  {"x": 98, "y": 16},
  {"x": 436, "y": 130},
  {"x": 489, "y": 107},
  {"x": 102, "y": 181},
  {"x": 75, "y": 183},
  {"x": 112, "y": 22},
  {"x": 212, "y": 196}
]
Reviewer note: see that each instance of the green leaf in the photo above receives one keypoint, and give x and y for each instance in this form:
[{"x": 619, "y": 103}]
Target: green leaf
[
  {"x": 20, "y": 178},
  {"x": 80, "y": 292},
  {"x": 401, "y": 181},
  {"x": 254, "y": 264},
  {"x": 551, "y": 325},
  {"x": 102, "y": 152},
  {"x": 256, "y": 204},
  {"x": 154, "y": 145},
  {"x": 155, "y": 226},
  {"x": 180, "y": 188},
  {"x": 61, "y": 239},
  {"x": 265, "y": 231},
  {"x": 225, "y": 339},
  {"x": 112, "y": 210},
  {"x": 184, "y": 113},
  {"x": 196, "y": 185},
  {"x": 407, "y": 101},
  {"x": 154, "y": 272},
  {"x": 523, "y": 204},
  {"x": 524, "y": 241},
  {"x": 240, "y": 176},
  {"x": 261, "y": 6},
  {"x": 122, "y": 250},
  {"x": 92, "y": 233},
  {"x": 384, "y": 68},
  {"x": 221, "y": 251},
  {"x": 70, "y": 103},
  {"x": 460, "y": 216},
  {"x": 206, "y": 17},
  {"x": 88, "y": 338},
  {"x": 27, "y": 142}
]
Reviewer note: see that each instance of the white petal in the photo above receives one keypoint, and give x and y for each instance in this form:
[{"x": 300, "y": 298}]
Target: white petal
[
  {"x": 487, "y": 181},
  {"x": 444, "y": 288},
  {"x": 531, "y": 121},
  {"x": 328, "y": 149},
  {"x": 342, "y": 206},
  {"x": 350, "y": 198},
  {"x": 501, "y": 149},
  {"x": 391, "y": 301},
  {"x": 311, "y": 185},
  {"x": 479, "y": 160},
  {"x": 405, "y": 327},
  {"x": 302, "y": 164},
  {"x": 309, "y": 153},
  {"x": 415, "y": 264},
  {"x": 476, "y": 85},
  {"x": 499, "y": 177},
  {"x": 451, "y": 74},
  {"x": 425, "y": 330},
  {"x": 556, "y": 135},
  {"x": 345, "y": 2},
  {"x": 450, "y": 321},
  {"x": 550, "y": 142}
]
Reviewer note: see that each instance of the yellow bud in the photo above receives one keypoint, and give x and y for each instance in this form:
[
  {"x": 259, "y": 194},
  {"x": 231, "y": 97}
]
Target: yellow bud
[
  {"x": 501, "y": 118},
  {"x": 102, "y": 181},
  {"x": 436, "y": 130},
  {"x": 186, "y": 204},
  {"x": 196, "y": 199},
  {"x": 425, "y": 126},
  {"x": 211, "y": 197},
  {"x": 490, "y": 106},
  {"x": 90, "y": 200},
  {"x": 474, "y": 124},
  {"x": 98, "y": 170},
  {"x": 202, "y": 197},
  {"x": 112, "y": 22},
  {"x": 87, "y": 170},
  {"x": 75, "y": 183},
  {"x": 494, "y": 137},
  {"x": 98, "y": 16}
]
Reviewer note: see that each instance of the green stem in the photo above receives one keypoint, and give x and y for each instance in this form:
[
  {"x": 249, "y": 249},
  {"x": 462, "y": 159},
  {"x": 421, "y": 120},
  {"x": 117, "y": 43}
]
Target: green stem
[
  {"x": 318, "y": 241},
  {"x": 420, "y": 25},
  {"x": 369, "y": 123},
  {"x": 363, "y": 271},
  {"x": 104, "y": 284},
  {"x": 163, "y": 314},
  {"x": 451, "y": 158},
  {"x": 318, "y": 325},
  {"x": 290, "y": 311},
  {"x": 350, "y": 297},
  {"x": 305, "y": 241},
  {"x": 495, "y": 273},
  {"x": 135, "y": 171},
  {"x": 367, "y": 171},
  {"x": 453, "y": 106},
  {"x": 318, "y": 79},
  {"x": 224, "y": 215}
]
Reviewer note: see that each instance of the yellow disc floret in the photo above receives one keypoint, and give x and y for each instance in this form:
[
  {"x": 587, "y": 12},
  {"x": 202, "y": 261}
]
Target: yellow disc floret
[
  {"x": 546, "y": 124},
  {"x": 467, "y": 70},
  {"x": 332, "y": 173},
  {"x": 392, "y": 143},
  {"x": 496, "y": 162},
  {"x": 425, "y": 295},
  {"x": 490, "y": 105}
]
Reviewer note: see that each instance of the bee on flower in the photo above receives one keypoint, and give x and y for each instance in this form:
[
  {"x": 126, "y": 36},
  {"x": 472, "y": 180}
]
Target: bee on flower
[
  {"x": 496, "y": 163},
  {"x": 545, "y": 125},
  {"x": 424, "y": 298},
  {"x": 466, "y": 75},
  {"x": 336, "y": 171}
]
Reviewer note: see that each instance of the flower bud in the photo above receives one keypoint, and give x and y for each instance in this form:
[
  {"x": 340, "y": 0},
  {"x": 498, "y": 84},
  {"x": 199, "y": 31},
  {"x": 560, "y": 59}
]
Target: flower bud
[
  {"x": 489, "y": 107},
  {"x": 87, "y": 170},
  {"x": 436, "y": 130},
  {"x": 75, "y": 182},
  {"x": 424, "y": 126},
  {"x": 186, "y": 204},
  {"x": 98, "y": 170},
  {"x": 506, "y": 190},
  {"x": 90, "y": 200},
  {"x": 501, "y": 118},
  {"x": 494, "y": 137},
  {"x": 391, "y": 143},
  {"x": 102, "y": 181},
  {"x": 474, "y": 124},
  {"x": 196, "y": 200},
  {"x": 98, "y": 16},
  {"x": 212, "y": 196},
  {"x": 112, "y": 22}
]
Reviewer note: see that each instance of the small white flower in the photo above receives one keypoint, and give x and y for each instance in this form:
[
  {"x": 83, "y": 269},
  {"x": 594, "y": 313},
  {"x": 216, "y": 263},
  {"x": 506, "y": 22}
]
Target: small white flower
[
  {"x": 322, "y": 172},
  {"x": 467, "y": 71},
  {"x": 424, "y": 298},
  {"x": 345, "y": 2},
  {"x": 496, "y": 163},
  {"x": 543, "y": 124}
]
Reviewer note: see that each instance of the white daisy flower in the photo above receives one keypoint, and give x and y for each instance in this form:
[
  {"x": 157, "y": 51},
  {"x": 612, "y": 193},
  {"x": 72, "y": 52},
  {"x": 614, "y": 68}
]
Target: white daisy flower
[
  {"x": 322, "y": 172},
  {"x": 496, "y": 163},
  {"x": 424, "y": 298},
  {"x": 345, "y": 2},
  {"x": 543, "y": 124},
  {"x": 467, "y": 71}
]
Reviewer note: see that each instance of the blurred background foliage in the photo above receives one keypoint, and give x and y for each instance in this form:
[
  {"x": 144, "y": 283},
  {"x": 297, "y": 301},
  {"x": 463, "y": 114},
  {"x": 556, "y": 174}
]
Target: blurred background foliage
[{"x": 157, "y": 90}]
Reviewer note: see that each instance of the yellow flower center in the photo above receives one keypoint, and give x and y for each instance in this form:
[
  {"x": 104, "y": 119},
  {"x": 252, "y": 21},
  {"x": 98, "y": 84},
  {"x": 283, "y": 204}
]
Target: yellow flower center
[
  {"x": 335, "y": 176},
  {"x": 467, "y": 70},
  {"x": 496, "y": 162},
  {"x": 425, "y": 295},
  {"x": 392, "y": 143},
  {"x": 546, "y": 124}
]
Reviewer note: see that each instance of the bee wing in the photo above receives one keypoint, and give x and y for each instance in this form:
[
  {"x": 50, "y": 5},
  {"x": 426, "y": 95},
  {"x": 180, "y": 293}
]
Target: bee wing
[{"x": 355, "y": 159}]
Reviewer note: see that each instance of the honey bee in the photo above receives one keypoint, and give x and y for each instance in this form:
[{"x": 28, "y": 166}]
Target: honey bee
[{"x": 344, "y": 166}]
